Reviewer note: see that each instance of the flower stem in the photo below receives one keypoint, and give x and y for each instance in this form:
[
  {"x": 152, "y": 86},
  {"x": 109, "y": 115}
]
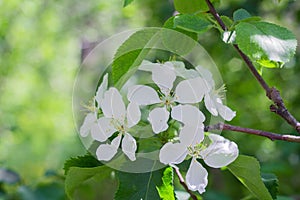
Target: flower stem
[
  {"x": 181, "y": 180},
  {"x": 272, "y": 93},
  {"x": 270, "y": 135}
]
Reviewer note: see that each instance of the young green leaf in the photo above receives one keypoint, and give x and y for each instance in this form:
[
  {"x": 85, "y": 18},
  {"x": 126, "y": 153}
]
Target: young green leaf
[
  {"x": 85, "y": 161},
  {"x": 130, "y": 54},
  {"x": 247, "y": 170},
  {"x": 271, "y": 182},
  {"x": 227, "y": 21},
  {"x": 192, "y": 23},
  {"x": 268, "y": 44},
  {"x": 166, "y": 190},
  {"x": 84, "y": 183},
  {"x": 138, "y": 186},
  {"x": 241, "y": 14},
  {"x": 127, "y": 2}
]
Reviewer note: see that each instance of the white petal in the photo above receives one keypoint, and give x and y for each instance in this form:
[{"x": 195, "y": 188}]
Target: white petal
[
  {"x": 210, "y": 104},
  {"x": 107, "y": 151},
  {"x": 221, "y": 152},
  {"x": 102, "y": 129},
  {"x": 148, "y": 66},
  {"x": 188, "y": 115},
  {"x": 101, "y": 90},
  {"x": 116, "y": 141},
  {"x": 206, "y": 74},
  {"x": 143, "y": 95},
  {"x": 181, "y": 71},
  {"x": 164, "y": 78},
  {"x": 225, "y": 112},
  {"x": 113, "y": 105},
  {"x": 133, "y": 114},
  {"x": 191, "y": 90},
  {"x": 129, "y": 146},
  {"x": 172, "y": 153},
  {"x": 190, "y": 135},
  {"x": 158, "y": 118},
  {"x": 88, "y": 122},
  {"x": 196, "y": 177}
]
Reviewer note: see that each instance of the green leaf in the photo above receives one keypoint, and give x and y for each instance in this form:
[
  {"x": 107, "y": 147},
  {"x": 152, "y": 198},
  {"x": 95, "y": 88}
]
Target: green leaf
[
  {"x": 192, "y": 6},
  {"x": 166, "y": 190},
  {"x": 267, "y": 44},
  {"x": 90, "y": 183},
  {"x": 85, "y": 161},
  {"x": 138, "y": 186},
  {"x": 182, "y": 42},
  {"x": 241, "y": 14},
  {"x": 227, "y": 21},
  {"x": 192, "y": 23},
  {"x": 127, "y": 2},
  {"x": 130, "y": 55},
  {"x": 247, "y": 170},
  {"x": 271, "y": 182}
]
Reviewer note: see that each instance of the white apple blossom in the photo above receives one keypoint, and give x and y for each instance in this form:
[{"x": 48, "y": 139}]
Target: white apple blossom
[
  {"x": 188, "y": 91},
  {"x": 213, "y": 99},
  {"x": 90, "y": 121},
  {"x": 191, "y": 133},
  {"x": 219, "y": 152},
  {"x": 116, "y": 119}
]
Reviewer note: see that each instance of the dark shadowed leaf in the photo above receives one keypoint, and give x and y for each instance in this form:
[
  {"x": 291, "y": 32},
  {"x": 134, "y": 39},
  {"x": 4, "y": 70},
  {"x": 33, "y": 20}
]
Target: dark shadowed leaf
[
  {"x": 127, "y": 2},
  {"x": 139, "y": 185},
  {"x": 271, "y": 182},
  {"x": 85, "y": 161},
  {"x": 192, "y": 23},
  {"x": 90, "y": 183}
]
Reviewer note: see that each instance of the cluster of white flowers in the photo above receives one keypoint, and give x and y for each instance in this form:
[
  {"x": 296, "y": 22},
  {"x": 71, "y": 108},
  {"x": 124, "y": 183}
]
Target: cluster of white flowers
[{"x": 180, "y": 103}]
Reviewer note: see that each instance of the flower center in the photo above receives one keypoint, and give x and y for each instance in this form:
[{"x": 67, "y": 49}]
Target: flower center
[
  {"x": 194, "y": 151},
  {"x": 220, "y": 92},
  {"x": 121, "y": 127},
  {"x": 167, "y": 98}
]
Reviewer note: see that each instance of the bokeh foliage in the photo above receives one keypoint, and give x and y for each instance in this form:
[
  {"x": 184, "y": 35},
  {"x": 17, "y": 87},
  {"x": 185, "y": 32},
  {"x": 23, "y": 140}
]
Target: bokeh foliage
[{"x": 40, "y": 55}]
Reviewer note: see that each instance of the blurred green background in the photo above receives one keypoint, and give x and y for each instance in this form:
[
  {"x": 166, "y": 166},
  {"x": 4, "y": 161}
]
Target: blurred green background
[{"x": 40, "y": 53}]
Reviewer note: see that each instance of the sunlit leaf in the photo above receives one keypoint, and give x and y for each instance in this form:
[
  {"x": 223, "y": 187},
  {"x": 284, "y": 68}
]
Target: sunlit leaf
[
  {"x": 268, "y": 44},
  {"x": 166, "y": 190},
  {"x": 247, "y": 170}
]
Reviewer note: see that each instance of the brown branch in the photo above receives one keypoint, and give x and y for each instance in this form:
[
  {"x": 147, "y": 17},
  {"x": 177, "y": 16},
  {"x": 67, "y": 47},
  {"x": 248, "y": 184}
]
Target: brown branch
[
  {"x": 181, "y": 180},
  {"x": 270, "y": 135},
  {"x": 272, "y": 93}
]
